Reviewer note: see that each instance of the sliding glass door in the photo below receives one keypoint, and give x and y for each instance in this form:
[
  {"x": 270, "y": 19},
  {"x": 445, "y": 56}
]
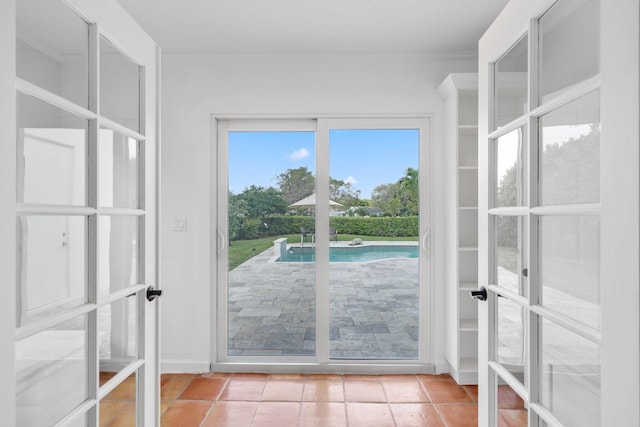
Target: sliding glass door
[{"x": 322, "y": 241}]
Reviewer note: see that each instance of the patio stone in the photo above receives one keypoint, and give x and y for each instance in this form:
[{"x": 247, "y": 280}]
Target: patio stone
[{"x": 373, "y": 308}]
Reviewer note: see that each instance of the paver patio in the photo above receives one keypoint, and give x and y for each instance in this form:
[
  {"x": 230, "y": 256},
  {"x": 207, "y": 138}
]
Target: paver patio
[{"x": 373, "y": 308}]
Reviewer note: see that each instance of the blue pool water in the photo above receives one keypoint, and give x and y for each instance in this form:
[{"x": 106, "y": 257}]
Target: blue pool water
[{"x": 352, "y": 254}]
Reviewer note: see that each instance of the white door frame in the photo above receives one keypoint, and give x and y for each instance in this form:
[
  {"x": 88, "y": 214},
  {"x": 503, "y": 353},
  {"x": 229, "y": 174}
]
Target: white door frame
[
  {"x": 619, "y": 203},
  {"x": 220, "y": 125}
]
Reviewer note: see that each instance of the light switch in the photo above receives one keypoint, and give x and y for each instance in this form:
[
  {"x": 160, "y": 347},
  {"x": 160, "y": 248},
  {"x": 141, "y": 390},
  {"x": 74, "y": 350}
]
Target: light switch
[{"x": 179, "y": 224}]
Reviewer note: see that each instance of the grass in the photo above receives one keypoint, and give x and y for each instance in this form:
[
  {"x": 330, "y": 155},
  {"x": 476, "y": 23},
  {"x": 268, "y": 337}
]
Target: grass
[{"x": 243, "y": 250}]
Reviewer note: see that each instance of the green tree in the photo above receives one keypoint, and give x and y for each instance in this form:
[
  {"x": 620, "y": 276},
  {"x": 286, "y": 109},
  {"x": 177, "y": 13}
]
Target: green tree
[
  {"x": 296, "y": 184},
  {"x": 409, "y": 193},
  {"x": 262, "y": 201},
  {"x": 384, "y": 196},
  {"x": 238, "y": 211}
]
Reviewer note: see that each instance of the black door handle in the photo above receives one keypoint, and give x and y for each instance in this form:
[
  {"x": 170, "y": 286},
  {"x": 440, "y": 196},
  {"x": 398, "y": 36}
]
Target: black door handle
[
  {"x": 153, "y": 293},
  {"x": 480, "y": 294}
]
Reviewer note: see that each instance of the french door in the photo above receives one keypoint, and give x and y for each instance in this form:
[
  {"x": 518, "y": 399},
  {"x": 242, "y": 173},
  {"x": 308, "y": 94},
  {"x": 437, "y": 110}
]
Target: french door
[
  {"x": 83, "y": 162},
  {"x": 560, "y": 303},
  {"x": 301, "y": 298}
]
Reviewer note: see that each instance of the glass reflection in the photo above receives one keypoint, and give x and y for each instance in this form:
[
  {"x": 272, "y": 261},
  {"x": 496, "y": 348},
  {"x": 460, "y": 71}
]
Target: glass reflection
[
  {"x": 52, "y": 48},
  {"x": 51, "y": 265},
  {"x": 119, "y": 86},
  {"x": 118, "y": 252},
  {"x": 570, "y": 266},
  {"x": 511, "y": 85},
  {"x": 510, "y": 333},
  {"x": 119, "y": 160},
  {"x": 564, "y": 58},
  {"x": 509, "y": 255},
  {"x": 118, "y": 331},
  {"x": 51, "y": 153},
  {"x": 570, "y": 153},
  {"x": 51, "y": 373},
  {"x": 570, "y": 377},
  {"x": 509, "y": 171}
]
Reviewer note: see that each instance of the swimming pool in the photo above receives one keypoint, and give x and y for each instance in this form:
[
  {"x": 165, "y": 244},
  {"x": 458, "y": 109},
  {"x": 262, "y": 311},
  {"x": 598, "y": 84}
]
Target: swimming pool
[{"x": 352, "y": 253}]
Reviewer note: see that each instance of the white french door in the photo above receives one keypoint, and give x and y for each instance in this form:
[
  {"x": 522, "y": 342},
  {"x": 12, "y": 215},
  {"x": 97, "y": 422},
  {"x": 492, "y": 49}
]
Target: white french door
[
  {"x": 82, "y": 194},
  {"x": 560, "y": 303},
  {"x": 294, "y": 303}
]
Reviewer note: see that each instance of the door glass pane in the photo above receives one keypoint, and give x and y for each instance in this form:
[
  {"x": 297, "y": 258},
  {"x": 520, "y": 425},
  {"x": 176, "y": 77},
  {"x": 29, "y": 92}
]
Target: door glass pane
[
  {"x": 118, "y": 252},
  {"x": 570, "y": 153},
  {"x": 509, "y": 253},
  {"x": 51, "y": 152},
  {"x": 510, "y": 327},
  {"x": 119, "y": 86},
  {"x": 570, "y": 266},
  {"x": 118, "y": 332},
  {"x": 511, "y": 84},
  {"x": 118, "y": 408},
  {"x": 51, "y": 265},
  {"x": 271, "y": 291},
  {"x": 374, "y": 286},
  {"x": 568, "y": 54},
  {"x": 509, "y": 182},
  {"x": 51, "y": 373},
  {"x": 511, "y": 409},
  {"x": 52, "y": 48},
  {"x": 119, "y": 158},
  {"x": 570, "y": 376}
]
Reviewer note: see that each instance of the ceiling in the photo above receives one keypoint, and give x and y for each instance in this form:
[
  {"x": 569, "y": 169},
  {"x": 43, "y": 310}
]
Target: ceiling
[{"x": 439, "y": 27}]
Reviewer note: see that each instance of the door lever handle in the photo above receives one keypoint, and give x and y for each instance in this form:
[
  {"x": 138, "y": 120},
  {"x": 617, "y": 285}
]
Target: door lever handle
[
  {"x": 153, "y": 293},
  {"x": 480, "y": 294}
]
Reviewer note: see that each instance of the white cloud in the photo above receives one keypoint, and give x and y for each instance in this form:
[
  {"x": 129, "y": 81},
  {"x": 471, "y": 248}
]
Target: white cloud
[
  {"x": 351, "y": 180},
  {"x": 300, "y": 154}
]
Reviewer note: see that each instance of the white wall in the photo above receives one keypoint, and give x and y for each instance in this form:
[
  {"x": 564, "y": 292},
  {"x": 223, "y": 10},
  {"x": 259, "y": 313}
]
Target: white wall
[{"x": 197, "y": 86}]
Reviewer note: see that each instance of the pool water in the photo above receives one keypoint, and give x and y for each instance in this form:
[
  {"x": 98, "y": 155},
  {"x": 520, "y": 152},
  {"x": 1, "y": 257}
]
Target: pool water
[{"x": 352, "y": 254}]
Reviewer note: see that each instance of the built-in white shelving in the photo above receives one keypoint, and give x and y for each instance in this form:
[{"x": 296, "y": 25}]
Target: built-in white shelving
[{"x": 460, "y": 95}]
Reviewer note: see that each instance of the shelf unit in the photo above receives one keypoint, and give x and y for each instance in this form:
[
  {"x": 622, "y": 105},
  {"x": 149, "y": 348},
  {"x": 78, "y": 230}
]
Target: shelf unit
[{"x": 460, "y": 95}]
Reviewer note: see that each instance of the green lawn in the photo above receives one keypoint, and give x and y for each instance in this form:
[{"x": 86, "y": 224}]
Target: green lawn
[{"x": 242, "y": 250}]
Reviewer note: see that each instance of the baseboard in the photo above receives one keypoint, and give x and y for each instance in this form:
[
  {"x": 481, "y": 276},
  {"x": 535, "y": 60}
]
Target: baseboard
[
  {"x": 168, "y": 366},
  {"x": 443, "y": 367}
]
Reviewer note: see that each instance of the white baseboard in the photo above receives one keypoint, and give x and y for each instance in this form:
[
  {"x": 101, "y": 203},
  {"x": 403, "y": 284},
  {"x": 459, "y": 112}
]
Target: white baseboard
[
  {"x": 443, "y": 367},
  {"x": 168, "y": 366}
]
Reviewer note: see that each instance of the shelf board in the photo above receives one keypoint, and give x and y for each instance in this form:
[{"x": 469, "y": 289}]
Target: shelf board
[
  {"x": 467, "y": 168},
  {"x": 467, "y": 208},
  {"x": 468, "y": 248},
  {"x": 470, "y": 127},
  {"x": 470, "y": 325}
]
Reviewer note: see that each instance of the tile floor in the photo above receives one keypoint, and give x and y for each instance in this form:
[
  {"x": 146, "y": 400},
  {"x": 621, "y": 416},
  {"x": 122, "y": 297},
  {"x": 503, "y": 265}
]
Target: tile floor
[{"x": 282, "y": 400}]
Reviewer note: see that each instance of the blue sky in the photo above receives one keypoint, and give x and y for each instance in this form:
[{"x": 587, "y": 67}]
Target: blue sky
[{"x": 366, "y": 158}]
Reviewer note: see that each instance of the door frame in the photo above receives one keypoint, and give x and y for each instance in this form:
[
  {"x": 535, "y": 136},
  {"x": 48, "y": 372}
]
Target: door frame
[
  {"x": 619, "y": 210},
  {"x": 321, "y": 125}
]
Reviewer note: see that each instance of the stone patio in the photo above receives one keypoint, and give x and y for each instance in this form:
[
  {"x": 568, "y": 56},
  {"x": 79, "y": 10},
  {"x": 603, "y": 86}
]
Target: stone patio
[{"x": 373, "y": 308}]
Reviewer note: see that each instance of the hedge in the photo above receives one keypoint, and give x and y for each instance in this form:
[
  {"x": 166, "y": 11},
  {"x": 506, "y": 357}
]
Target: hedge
[{"x": 277, "y": 225}]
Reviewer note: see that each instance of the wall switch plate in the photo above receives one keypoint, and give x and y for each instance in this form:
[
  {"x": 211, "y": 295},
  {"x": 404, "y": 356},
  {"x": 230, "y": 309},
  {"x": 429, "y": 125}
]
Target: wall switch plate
[{"x": 179, "y": 224}]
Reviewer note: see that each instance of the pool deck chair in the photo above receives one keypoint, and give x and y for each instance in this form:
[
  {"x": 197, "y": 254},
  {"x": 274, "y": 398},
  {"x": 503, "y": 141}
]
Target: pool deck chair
[
  {"x": 303, "y": 235},
  {"x": 333, "y": 234}
]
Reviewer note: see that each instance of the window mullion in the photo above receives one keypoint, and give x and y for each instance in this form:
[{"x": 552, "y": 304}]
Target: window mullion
[{"x": 93, "y": 344}]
